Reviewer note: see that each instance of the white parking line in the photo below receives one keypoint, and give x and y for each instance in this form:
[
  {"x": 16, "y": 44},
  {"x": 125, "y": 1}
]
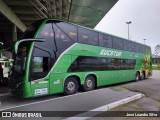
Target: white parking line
[
  {"x": 50, "y": 99},
  {"x": 105, "y": 108}
]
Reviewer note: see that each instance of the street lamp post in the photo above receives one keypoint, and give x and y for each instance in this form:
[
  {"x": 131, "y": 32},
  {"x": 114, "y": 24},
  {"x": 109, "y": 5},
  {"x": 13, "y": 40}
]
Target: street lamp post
[
  {"x": 129, "y": 22},
  {"x": 144, "y": 41}
]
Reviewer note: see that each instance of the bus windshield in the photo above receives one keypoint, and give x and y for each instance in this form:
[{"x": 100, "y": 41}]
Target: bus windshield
[
  {"x": 21, "y": 58},
  {"x": 31, "y": 30}
]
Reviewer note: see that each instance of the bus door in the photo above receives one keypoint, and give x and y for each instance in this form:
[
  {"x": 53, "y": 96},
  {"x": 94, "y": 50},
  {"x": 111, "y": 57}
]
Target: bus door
[{"x": 39, "y": 74}]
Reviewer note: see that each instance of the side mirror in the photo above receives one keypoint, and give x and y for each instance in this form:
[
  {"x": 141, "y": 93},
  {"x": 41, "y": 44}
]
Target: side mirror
[{"x": 27, "y": 40}]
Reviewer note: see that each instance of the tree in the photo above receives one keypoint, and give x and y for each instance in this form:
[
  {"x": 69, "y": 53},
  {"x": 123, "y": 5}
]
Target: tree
[{"x": 157, "y": 49}]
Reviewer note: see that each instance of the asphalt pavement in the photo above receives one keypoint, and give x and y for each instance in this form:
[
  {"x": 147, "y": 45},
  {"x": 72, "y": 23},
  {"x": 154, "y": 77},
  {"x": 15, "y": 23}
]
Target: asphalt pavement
[{"x": 149, "y": 103}]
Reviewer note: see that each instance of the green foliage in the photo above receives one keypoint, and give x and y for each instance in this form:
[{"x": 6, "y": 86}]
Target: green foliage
[{"x": 156, "y": 67}]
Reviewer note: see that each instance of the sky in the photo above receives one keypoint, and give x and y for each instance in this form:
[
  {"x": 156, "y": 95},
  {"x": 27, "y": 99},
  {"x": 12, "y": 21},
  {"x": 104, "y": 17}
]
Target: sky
[{"x": 145, "y": 18}]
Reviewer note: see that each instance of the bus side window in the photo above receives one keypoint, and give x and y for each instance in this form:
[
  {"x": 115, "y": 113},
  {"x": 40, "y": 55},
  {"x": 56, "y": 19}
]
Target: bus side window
[
  {"x": 127, "y": 45},
  {"x": 87, "y": 36},
  {"x": 118, "y": 43},
  {"x": 69, "y": 30},
  {"x": 63, "y": 41},
  {"x": 86, "y": 63},
  {"x": 105, "y": 41},
  {"x": 135, "y": 47},
  {"x": 48, "y": 34},
  {"x": 112, "y": 64},
  {"x": 40, "y": 65},
  {"x": 103, "y": 64}
]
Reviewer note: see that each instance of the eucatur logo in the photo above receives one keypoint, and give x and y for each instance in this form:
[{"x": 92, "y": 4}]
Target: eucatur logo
[{"x": 110, "y": 53}]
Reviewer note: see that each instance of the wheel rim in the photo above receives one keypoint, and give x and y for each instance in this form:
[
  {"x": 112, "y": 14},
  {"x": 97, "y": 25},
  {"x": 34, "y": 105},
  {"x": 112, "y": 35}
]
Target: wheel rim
[
  {"x": 71, "y": 86},
  {"x": 89, "y": 83}
]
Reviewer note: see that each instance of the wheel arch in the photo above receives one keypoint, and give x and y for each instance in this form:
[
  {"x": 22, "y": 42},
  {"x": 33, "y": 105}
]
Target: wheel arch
[
  {"x": 138, "y": 72},
  {"x": 77, "y": 76}
]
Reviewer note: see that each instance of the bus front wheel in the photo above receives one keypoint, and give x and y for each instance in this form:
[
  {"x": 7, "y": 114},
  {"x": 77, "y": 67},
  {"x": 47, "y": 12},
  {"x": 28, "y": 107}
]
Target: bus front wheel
[
  {"x": 89, "y": 83},
  {"x": 70, "y": 86}
]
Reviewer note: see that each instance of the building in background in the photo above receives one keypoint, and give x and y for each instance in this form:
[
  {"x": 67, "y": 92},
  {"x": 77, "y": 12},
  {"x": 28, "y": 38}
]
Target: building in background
[{"x": 156, "y": 59}]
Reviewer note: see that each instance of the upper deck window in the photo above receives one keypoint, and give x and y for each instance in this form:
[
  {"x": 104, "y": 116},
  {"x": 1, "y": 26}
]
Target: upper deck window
[
  {"x": 69, "y": 30},
  {"x": 127, "y": 45},
  {"x": 105, "y": 41},
  {"x": 87, "y": 36},
  {"x": 63, "y": 41},
  {"x": 118, "y": 43},
  {"x": 135, "y": 47},
  {"x": 48, "y": 34}
]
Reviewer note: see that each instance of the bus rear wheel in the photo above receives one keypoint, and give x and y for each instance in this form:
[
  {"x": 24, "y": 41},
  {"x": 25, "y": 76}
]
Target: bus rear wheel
[
  {"x": 89, "y": 83},
  {"x": 137, "y": 76},
  {"x": 70, "y": 86},
  {"x": 143, "y": 76}
]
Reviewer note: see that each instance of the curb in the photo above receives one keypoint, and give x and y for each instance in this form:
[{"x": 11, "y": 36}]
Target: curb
[{"x": 107, "y": 107}]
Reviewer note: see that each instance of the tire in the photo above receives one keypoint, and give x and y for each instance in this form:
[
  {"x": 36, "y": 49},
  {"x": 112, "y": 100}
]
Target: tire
[
  {"x": 143, "y": 76},
  {"x": 70, "y": 86},
  {"x": 137, "y": 76},
  {"x": 89, "y": 83}
]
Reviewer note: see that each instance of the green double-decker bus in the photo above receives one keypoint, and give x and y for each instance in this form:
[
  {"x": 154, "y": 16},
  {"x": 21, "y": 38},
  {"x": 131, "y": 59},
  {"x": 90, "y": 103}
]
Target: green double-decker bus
[{"x": 55, "y": 56}]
